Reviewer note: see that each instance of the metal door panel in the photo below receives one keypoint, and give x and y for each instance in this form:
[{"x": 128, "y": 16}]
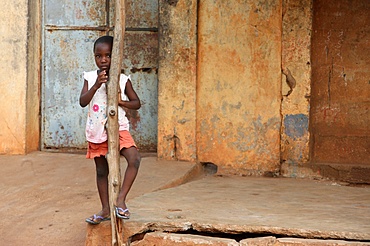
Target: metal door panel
[
  {"x": 143, "y": 123},
  {"x": 140, "y": 61},
  {"x": 141, "y": 50},
  {"x": 70, "y": 29},
  {"x": 140, "y": 14},
  {"x": 67, "y": 55},
  {"x": 75, "y": 13}
]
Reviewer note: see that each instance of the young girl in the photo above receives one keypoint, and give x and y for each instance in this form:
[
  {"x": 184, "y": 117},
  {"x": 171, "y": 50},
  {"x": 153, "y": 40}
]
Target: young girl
[{"x": 94, "y": 94}]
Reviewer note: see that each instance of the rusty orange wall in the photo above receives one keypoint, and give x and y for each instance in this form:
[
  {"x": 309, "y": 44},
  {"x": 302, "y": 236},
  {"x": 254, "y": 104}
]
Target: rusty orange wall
[
  {"x": 340, "y": 82},
  {"x": 177, "y": 80},
  {"x": 295, "y": 108},
  {"x": 239, "y": 85},
  {"x": 20, "y": 54},
  {"x": 13, "y": 43},
  {"x": 33, "y": 77}
]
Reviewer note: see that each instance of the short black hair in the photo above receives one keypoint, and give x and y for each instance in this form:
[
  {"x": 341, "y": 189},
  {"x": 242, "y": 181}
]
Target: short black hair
[{"x": 104, "y": 40}]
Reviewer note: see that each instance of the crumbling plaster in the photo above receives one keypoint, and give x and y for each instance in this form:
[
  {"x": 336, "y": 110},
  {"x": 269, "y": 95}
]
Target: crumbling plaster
[{"x": 13, "y": 53}]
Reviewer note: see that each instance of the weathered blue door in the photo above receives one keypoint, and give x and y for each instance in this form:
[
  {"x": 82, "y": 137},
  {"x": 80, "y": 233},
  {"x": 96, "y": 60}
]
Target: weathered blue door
[{"x": 70, "y": 28}]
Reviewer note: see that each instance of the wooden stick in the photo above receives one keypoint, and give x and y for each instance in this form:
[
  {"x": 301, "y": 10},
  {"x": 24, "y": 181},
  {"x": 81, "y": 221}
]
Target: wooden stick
[{"x": 113, "y": 156}]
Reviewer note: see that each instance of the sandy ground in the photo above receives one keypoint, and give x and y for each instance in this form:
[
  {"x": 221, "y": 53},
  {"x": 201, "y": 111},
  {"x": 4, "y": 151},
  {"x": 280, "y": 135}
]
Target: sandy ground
[{"x": 45, "y": 197}]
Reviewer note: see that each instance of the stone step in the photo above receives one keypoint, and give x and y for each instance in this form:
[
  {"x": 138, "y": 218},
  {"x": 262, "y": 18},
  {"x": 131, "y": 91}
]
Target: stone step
[
  {"x": 169, "y": 239},
  {"x": 349, "y": 173},
  {"x": 100, "y": 235}
]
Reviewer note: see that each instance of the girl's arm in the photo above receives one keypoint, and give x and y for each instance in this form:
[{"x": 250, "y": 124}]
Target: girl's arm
[
  {"x": 134, "y": 101},
  {"x": 86, "y": 94}
]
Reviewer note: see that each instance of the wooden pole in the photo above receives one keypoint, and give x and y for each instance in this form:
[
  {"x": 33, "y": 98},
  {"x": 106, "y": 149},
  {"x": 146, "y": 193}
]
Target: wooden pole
[{"x": 113, "y": 156}]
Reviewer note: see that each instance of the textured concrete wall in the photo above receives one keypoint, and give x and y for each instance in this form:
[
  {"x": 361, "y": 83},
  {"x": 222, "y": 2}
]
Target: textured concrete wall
[
  {"x": 295, "y": 108},
  {"x": 33, "y": 76},
  {"x": 13, "y": 54},
  {"x": 239, "y": 85},
  {"x": 341, "y": 88},
  {"x": 177, "y": 80}
]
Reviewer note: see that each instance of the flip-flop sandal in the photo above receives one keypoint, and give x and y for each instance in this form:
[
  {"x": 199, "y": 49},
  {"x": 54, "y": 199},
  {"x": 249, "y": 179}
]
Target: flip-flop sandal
[
  {"x": 122, "y": 213},
  {"x": 96, "y": 219}
]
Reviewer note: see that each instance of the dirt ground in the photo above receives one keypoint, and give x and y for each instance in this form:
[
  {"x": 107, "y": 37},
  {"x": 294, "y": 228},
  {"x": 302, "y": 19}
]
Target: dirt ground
[
  {"x": 46, "y": 201},
  {"x": 47, "y": 196}
]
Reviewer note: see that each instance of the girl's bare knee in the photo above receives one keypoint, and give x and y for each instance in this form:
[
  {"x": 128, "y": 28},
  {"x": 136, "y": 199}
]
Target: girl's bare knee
[
  {"x": 132, "y": 156},
  {"x": 102, "y": 172},
  {"x": 137, "y": 161},
  {"x": 102, "y": 169}
]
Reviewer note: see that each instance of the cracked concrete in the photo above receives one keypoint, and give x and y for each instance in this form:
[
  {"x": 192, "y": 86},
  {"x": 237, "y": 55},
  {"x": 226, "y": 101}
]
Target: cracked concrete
[{"x": 237, "y": 205}]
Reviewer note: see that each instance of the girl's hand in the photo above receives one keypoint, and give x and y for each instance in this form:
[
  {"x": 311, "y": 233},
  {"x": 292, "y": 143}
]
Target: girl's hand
[{"x": 102, "y": 79}]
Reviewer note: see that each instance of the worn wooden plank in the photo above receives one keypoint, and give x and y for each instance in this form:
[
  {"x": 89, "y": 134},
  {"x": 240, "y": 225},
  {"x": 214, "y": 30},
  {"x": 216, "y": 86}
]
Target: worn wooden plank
[{"x": 113, "y": 155}]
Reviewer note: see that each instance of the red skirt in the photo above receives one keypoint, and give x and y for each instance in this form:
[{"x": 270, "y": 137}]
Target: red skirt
[{"x": 101, "y": 149}]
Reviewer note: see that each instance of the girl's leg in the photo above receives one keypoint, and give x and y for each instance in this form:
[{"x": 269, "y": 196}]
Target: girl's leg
[
  {"x": 133, "y": 162},
  {"x": 102, "y": 172}
]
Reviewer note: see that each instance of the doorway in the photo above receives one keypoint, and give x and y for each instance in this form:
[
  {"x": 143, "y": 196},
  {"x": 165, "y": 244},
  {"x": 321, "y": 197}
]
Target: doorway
[
  {"x": 69, "y": 31},
  {"x": 340, "y": 117}
]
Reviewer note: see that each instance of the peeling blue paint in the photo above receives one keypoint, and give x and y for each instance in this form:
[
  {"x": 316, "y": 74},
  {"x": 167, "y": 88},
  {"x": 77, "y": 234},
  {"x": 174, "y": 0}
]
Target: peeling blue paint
[
  {"x": 228, "y": 107},
  {"x": 296, "y": 125},
  {"x": 253, "y": 137}
]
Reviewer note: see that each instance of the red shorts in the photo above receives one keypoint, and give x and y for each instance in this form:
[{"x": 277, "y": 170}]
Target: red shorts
[{"x": 101, "y": 149}]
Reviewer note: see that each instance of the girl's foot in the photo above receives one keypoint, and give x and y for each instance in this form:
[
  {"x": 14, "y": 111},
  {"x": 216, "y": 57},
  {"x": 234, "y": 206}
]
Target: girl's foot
[
  {"x": 122, "y": 211},
  {"x": 98, "y": 218}
]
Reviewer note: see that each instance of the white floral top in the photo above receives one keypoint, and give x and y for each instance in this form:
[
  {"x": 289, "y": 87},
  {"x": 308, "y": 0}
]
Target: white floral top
[{"x": 97, "y": 110}]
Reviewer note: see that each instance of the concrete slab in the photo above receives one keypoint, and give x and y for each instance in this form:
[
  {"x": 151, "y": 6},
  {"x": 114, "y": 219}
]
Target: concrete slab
[
  {"x": 169, "y": 239},
  {"x": 266, "y": 206}
]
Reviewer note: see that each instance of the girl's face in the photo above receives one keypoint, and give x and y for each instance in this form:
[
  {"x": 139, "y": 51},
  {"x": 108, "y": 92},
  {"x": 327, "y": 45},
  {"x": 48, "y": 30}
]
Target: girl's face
[{"x": 102, "y": 55}]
